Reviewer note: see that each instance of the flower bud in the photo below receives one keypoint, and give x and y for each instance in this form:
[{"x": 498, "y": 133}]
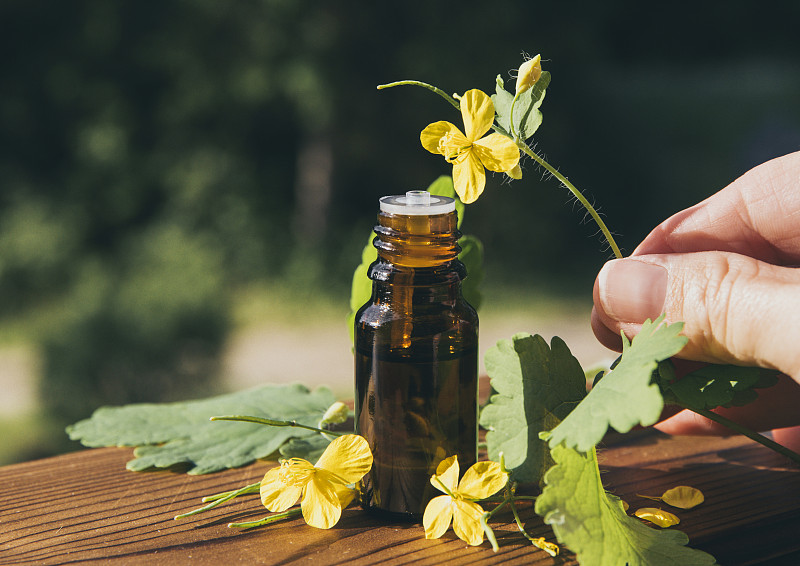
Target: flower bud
[
  {"x": 336, "y": 413},
  {"x": 529, "y": 73}
]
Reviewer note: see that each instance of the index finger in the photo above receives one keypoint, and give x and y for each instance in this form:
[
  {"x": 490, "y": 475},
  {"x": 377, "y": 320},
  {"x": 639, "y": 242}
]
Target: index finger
[{"x": 758, "y": 215}]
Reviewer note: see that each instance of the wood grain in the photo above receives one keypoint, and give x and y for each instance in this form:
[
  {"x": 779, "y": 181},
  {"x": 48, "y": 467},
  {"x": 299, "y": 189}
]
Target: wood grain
[{"x": 85, "y": 508}]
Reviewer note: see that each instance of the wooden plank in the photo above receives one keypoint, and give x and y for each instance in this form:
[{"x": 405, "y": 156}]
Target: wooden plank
[
  {"x": 751, "y": 514},
  {"x": 85, "y": 507}
]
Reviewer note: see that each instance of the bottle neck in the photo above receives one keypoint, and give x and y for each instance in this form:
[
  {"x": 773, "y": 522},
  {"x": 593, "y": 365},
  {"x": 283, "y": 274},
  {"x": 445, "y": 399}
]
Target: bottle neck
[
  {"x": 417, "y": 241},
  {"x": 418, "y": 251}
]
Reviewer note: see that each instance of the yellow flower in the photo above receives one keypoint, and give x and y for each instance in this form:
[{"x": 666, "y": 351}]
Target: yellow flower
[
  {"x": 459, "y": 505},
  {"x": 468, "y": 153},
  {"x": 324, "y": 487},
  {"x": 529, "y": 73}
]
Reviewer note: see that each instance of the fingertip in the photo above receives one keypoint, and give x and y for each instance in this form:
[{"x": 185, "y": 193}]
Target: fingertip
[
  {"x": 606, "y": 336},
  {"x": 631, "y": 290}
]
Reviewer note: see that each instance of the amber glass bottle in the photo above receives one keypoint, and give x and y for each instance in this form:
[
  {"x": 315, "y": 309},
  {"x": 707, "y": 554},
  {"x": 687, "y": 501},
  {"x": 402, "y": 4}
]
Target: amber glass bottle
[{"x": 416, "y": 349}]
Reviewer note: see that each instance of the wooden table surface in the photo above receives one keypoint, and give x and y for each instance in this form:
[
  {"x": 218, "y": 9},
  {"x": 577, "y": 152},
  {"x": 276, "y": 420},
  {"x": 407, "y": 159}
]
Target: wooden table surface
[{"x": 84, "y": 507}]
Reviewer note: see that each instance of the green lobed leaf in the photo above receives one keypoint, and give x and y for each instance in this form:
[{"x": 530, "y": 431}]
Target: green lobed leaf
[
  {"x": 181, "y": 433},
  {"x": 527, "y": 116},
  {"x": 593, "y": 524},
  {"x": 537, "y": 386},
  {"x": 624, "y": 397},
  {"x": 472, "y": 257},
  {"x": 715, "y": 385},
  {"x": 361, "y": 288}
]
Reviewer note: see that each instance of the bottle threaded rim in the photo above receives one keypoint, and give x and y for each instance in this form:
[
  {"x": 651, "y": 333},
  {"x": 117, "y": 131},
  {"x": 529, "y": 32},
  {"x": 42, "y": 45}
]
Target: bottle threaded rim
[{"x": 417, "y": 203}]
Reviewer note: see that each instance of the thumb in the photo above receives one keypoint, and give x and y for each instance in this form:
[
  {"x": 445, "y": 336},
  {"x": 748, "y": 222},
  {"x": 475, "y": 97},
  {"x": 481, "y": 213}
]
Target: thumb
[{"x": 736, "y": 309}]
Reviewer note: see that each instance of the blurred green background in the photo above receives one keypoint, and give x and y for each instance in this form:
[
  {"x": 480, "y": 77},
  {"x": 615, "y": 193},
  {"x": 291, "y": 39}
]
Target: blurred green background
[{"x": 174, "y": 173}]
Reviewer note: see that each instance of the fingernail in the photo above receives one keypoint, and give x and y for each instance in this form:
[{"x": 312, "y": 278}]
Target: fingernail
[{"x": 632, "y": 291}]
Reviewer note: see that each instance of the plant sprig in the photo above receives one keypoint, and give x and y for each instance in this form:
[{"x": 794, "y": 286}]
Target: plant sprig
[
  {"x": 271, "y": 422},
  {"x": 510, "y": 498},
  {"x": 527, "y": 150}
]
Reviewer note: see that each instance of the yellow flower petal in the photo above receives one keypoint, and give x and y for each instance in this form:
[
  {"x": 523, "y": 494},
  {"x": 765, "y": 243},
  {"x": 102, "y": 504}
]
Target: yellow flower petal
[
  {"x": 345, "y": 494},
  {"x": 437, "y": 516},
  {"x": 515, "y": 173},
  {"x": 477, "y": 110},
  {"x": 321, "y": 507},
  {"x": 497, "y": 152},
  {"x": 467, "y": 522},
  {"x": 433, "y": 135},
  {"x": 447, "y": 473},
  {"x": 482, "y": 480},
  {"x": 469, "y": 177},
  {"x": 276, "y": 495},
  {"x": 348, "y": 456},
  {"x": 657, "y": 516},
  {"x": 683, "y": 497}
]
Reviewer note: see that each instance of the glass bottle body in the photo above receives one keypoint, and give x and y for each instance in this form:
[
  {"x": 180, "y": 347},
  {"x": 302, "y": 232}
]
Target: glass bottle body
[{"x": 416, "y": 352}]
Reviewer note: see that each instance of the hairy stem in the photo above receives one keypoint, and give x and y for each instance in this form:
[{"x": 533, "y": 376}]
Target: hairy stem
[
  {"x": 576, "y": 193},
  {"x": 431, "y": 88},
  {"x": 270, "y": 422},
  {"x": 760, "y": 438}
]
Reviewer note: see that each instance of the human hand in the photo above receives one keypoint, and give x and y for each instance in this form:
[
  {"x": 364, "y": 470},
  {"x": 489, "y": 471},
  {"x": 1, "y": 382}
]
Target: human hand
[{"x": 724, "y": 268}]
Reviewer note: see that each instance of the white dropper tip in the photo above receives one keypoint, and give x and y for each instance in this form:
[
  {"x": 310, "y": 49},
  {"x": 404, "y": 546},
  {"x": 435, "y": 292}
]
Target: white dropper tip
[
  {"x": 418, "y": 198},
  {"x": 417, "y": 203}
]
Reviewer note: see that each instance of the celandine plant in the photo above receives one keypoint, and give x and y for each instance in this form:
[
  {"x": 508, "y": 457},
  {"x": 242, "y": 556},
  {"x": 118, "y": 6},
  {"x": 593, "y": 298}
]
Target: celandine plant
[{"x": 542, "y": 425}]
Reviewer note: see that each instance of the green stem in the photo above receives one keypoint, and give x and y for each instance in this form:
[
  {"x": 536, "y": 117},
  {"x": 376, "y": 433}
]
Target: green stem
[
  {"x": 252, "y": 488},
  {"x": 485, "y": 524},
  {"x": 576, "y": 193},
  {"x": 489, "y": 532},
  {"x": 519, "y": 522},
  {"x": 270, "y": 422},
  {"x": 539, "y": 543},
  {"x": 505, "y": 499},
  {"x": 267, "y": 520},
  {"x": 431, "y": 88},
  {"x": 444, "y": 487},
  {"x": 221, "y": 498},
  {"x": 760, "y": 438},
  {"x": 514, "y": 135}
]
